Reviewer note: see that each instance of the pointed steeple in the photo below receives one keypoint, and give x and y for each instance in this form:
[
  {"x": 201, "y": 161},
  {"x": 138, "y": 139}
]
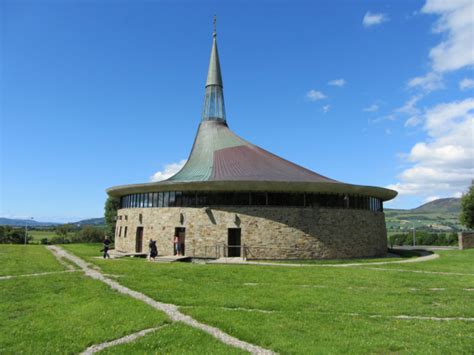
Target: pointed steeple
[{"x": 214, "y": 109}]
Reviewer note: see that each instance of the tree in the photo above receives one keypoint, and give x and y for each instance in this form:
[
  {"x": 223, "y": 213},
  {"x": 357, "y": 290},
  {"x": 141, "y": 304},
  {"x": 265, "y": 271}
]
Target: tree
[
  {"x": 62, "y": 231},
  {"x": 110, "y": 215},
  {"x": 467, "y": 208}
]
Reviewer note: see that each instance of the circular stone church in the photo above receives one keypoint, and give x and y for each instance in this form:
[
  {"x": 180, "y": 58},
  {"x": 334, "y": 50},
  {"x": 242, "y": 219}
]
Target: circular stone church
[{"x": 235, "y": 199}]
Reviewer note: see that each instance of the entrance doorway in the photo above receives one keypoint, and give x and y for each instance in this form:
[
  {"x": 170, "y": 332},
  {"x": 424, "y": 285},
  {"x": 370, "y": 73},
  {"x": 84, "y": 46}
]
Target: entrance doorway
[
  {"x": 181, "y": 233},
  {"x": 233, "y": 242},
  {"x": 139, "y": 240}
]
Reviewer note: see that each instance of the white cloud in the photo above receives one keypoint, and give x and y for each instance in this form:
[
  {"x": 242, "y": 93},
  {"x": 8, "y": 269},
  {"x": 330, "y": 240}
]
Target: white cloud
[
  {"x": 413, "y": 121},
  {"x": 371, "y": 108},
  {"x": 326, "y": 108},
  {"x": 466, "y": 83},
  {"x": 456, "y": 23},
  {"x": 431, "y": 198},
  {"x": 337, "y": 82},
  {"x": 314, "y": 95},
  {"x": 430, "y": 82},
  {"x": 456, "y": 49},
  {"x": 443, "y": 164},
  {"x": 168, "y": 171},
  {"x": 373, "y": 19}
]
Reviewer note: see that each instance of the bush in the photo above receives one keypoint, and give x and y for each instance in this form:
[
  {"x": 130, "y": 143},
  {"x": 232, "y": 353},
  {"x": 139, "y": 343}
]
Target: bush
[
  {"x": 424, "y": 238},
  {"x": 89, "y": 234},
  {"x": 12, "y": 235},
  {"x": 44, "y": 241}
]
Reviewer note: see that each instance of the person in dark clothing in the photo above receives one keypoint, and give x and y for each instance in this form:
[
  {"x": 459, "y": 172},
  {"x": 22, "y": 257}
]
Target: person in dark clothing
[
  {"x": 153, "y": 249},
  {"x": 106, "y": 247}
]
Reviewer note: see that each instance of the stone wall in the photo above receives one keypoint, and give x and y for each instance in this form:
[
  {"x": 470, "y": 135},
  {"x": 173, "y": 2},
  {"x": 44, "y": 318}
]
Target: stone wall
[
  {"x": 466, "y": 240},
  {"x": 266, "y": 232}
]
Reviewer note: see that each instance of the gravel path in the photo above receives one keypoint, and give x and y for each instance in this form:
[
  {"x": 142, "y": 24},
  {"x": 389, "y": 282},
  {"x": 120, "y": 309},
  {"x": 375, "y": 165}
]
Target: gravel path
[
  {"x": 243, "y": 262},
  {"x": 170, "y": 309},
  {"x": 124, "y": 340},
  {"x": 420, "y": 271},
  {"x": 352, "y": 314}
]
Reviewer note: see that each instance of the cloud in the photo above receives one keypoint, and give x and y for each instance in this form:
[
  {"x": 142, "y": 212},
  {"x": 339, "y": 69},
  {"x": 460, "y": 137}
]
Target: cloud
[
  {"x": 314, "y": 95},
  {"x": 337, "y": 82},
  {"x": 429, "y": 82},
  {"x": 466, "y": 83},
  {"x": 326, "y": 108},
  {"x": 456, "y": 24},
  {"x": 455, "y": 51},
  {"x": 431, "y": 198},
  {"x": 442, "y": 164},
  {"x": 373, "y": 19},
  {"x": 168, "y": 171},
  {"x": 388, "y": 131},
  {"x": 371, "y": 108}
]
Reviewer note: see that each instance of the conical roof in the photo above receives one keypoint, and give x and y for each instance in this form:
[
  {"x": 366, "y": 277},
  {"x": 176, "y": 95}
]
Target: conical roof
[
  {"x": 218, "y": 154},
  {"x": 222, "y": 161}
]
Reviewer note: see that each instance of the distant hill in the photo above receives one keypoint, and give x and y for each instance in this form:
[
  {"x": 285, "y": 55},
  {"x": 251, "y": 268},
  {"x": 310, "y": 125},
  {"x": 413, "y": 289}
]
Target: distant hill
[
  {"x": 25, "y": 222},
  {"x": 440, "y": 215},
  {"x": 441, "y": 205},
  {"x": 90, "y": 222},
  {"x": 32, "y": 223}
]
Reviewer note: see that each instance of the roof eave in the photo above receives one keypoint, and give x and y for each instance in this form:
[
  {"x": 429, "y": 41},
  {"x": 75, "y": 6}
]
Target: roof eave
[{"x": 270, "y": 186}]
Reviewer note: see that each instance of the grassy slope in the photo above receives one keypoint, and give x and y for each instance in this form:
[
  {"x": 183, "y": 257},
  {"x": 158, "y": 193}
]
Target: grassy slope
[
  {"x": 312, "y": 306},
  {"x": 20, "y": 259}
]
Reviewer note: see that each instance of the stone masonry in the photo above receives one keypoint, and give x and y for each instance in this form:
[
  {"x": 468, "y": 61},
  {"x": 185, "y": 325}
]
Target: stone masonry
[
  {"x": 266, "y": 232},
  {"x": 466, "y": 240}
]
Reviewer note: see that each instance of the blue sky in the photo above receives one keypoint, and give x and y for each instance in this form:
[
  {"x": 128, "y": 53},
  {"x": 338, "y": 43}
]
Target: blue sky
[{"x": 102, "y": 93}]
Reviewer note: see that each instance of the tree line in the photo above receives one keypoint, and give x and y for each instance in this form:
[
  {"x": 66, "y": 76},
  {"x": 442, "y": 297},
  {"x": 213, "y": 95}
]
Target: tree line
[
  {"x": 62, "y": 234},
  {"x": 424, "y": 238}
]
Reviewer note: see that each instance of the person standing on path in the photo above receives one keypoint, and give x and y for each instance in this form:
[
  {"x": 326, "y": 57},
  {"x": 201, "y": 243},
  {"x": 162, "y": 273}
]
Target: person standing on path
[
  {"x": 106, "y": 247},
  {"x": 153, "y": 250}
]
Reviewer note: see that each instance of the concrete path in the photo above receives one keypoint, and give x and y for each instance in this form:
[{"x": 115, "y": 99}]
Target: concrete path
[
  {"x": 170, "y": 309},
  {"x": 7, "y": 277},
  {"x": 240, "y": 261},
  {"x": 124, "y": 340}
]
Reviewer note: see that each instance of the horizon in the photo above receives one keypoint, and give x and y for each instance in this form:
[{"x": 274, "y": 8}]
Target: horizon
[{"x": 99, "y": 95}]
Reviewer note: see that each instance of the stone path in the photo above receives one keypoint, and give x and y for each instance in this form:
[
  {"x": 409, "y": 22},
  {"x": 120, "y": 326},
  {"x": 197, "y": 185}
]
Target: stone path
[
  {"x": 420, "y": 271},
  {"x": 7, "y": 277},
  {"x": 405, "y": 317},
  {"x": 170, "y": 309},
  {"x": 240, "y": 261},
  {"x": 124, "y": 340}
]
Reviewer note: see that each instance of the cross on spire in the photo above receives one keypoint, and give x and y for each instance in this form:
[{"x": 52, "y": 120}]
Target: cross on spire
[{"x": 215, "y": 31}]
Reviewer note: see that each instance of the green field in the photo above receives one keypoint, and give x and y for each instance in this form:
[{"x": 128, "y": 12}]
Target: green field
[
  {"x": 315, "y": 309},
  {"x": 403, "y": 220},
  {"x": 40, "y": 234}
]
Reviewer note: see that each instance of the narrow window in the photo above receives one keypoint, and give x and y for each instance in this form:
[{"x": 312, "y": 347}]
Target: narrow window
[
  {"x": 125, "y": 232},
  {"x": 120, "y": 231}
]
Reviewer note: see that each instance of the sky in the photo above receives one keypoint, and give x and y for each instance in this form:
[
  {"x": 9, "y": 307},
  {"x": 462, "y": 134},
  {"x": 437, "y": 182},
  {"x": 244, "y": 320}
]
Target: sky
[{"x": 102, "y": 93}]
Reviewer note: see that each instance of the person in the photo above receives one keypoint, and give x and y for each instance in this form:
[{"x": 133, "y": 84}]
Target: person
[
  {"x": 106, "y": 247},
  {"x": 177, "y": 250},
  {"x": 153, "y": 249}
]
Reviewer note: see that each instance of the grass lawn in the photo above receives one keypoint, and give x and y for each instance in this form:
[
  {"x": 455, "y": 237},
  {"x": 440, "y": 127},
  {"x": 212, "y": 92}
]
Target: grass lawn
[
  {"x": 65, "y": 313},
  {"x": 316, "y": 309},
  {"x": 29, "y": 259}
]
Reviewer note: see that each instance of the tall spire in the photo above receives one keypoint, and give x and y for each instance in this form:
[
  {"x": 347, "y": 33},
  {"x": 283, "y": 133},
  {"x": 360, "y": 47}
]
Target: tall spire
[{"x": 214, "y": 109}]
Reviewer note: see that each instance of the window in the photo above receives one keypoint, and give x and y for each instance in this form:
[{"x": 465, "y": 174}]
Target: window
[
  {"x": 125, "y": 232},
  {"x": 199, "y": 199},
  {"x": 120, "y": 231},
  {"x": 258, "y": 198}
]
